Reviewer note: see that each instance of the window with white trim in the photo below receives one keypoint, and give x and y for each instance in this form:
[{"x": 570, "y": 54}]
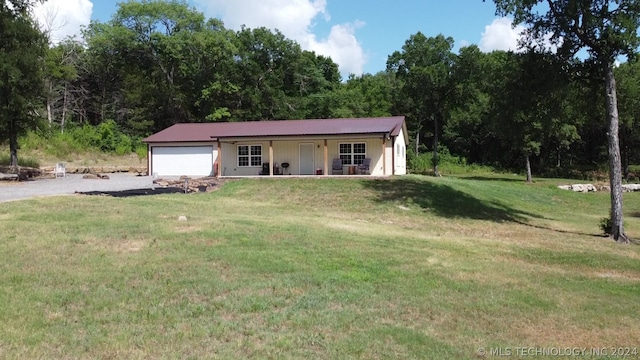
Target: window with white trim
[
  {"x": 352, "y": 153},
  {"x": 249, "y": 155}
]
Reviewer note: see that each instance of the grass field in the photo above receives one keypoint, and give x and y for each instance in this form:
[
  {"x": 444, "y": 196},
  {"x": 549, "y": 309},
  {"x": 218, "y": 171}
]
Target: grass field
[{"x": 412, "y": 267}]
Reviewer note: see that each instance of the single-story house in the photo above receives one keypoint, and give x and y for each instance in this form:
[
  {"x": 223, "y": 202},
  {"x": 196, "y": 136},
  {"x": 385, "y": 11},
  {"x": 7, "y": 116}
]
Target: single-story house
[{"x": 284, "y": 147}]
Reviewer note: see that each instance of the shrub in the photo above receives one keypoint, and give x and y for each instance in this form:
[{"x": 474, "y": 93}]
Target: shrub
[
  {"x": 605, "y": 225},
  {"x": 105, "y": 137},
  {"x": 141, "y": 151},
  {"x": 448, "y": 163}
]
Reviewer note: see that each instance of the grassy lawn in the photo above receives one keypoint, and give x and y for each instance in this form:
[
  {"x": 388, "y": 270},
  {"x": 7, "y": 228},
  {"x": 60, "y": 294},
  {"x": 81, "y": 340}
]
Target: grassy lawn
[{"x": 411, "y": 267}]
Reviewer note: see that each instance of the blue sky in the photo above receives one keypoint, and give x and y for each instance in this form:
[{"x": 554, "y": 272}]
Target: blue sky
[{"x": 359, "y": 35}]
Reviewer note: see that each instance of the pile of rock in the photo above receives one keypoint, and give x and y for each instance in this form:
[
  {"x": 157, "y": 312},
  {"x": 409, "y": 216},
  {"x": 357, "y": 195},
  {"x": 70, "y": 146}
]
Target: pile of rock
[
  {"x": 15, "y": 173},
  {"x": 579, "y": 187},
  {"x": 70, "y": 169},
  {"x": 96, "y": 177},
  {"x": 590, "y": 187},
  {"x": 189, "y": 185}
]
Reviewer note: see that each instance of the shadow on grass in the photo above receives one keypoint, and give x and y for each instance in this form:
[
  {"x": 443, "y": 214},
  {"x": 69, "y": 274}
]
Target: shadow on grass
[
  {"x": 445, "y": 201},
  {"x": 136, "y": 192},
  {"x": 489, "y": 178}
]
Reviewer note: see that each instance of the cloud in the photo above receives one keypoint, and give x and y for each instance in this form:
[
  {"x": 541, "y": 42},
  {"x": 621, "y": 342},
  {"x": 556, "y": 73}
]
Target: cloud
[
  {"x": 500, "y": 35},
  {"x": 63, "y": 18},
  {"x": 296, "y": 20}
]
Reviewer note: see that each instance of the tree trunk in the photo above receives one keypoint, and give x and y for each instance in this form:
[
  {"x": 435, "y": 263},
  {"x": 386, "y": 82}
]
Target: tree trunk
[
  {"x": 436, "y": 172},
  {"x": 418, "y": 142},
  {"x": 49, "y": 109},
  {"x": 528, "y": 163},
  {"x": 64, "y": 108},
  {"x": 615, "y": 166},
  {"x": 13, "y": 143}
]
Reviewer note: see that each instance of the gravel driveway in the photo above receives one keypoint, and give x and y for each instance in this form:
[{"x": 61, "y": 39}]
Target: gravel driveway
[{"x": 10, "y": 191}]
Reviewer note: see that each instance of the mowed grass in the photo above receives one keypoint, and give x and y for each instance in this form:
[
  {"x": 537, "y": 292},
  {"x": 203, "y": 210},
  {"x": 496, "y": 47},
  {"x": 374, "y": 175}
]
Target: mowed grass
[{"x": 411, "y": 267}]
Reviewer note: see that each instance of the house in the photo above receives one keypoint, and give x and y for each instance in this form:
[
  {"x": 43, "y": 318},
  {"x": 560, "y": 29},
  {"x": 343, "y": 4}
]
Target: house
[{"x": 285, "y": 147}]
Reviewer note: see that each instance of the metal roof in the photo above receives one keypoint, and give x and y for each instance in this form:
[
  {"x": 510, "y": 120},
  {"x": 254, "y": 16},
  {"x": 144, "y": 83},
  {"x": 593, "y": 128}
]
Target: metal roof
[{"x": 206, "y": 132}]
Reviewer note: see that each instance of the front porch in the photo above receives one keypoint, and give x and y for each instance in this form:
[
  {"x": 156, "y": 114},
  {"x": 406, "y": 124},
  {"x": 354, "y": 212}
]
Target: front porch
[{"x": 302, "y": 157}]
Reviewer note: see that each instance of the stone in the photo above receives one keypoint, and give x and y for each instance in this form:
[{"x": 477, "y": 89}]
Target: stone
[{"x": 631, "y": 187}]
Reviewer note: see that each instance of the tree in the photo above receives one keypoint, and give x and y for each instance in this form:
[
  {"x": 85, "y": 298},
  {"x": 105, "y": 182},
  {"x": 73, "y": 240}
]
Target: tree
[
  {"x": 629, "y": 102},
  {"x": 606, "y": 29},
  {"x": 22, "y": 50},
  {"x": 157, "y": 63},
  {"x": 62, "y": 96},
  {"x": 425, "y": 68},
  {"x": 531, "y": 108}
]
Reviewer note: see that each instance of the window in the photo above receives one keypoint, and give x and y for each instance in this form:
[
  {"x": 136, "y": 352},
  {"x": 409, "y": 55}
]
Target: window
[
  {"x": 249, "y": 155},
  {"x": 353, "y": 153}
]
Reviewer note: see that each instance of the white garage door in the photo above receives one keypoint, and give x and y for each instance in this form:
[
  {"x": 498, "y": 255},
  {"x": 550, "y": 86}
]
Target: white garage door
[{"x": 182, "y": 160}]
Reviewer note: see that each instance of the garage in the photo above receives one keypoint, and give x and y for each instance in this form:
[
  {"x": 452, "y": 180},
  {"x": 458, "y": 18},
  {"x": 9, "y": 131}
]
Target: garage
[{"x": 182, "y": 160}]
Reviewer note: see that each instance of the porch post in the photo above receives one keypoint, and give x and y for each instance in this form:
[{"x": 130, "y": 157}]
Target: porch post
[
  {"x": 384, "y": 155},
  {"x": 394, "y": 154},
  {"x": 219, "y": 160},
  {"x": 270, "y": 157},
  {"x": 149, "y": 165},
  {"x": 326, "y": 158}
]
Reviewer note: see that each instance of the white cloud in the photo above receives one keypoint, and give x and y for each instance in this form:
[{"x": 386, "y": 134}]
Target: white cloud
[
  {"x": 500, "y": 35},
  {"x": 295, "y": 19},
  {"x": 63, "y": 18}
]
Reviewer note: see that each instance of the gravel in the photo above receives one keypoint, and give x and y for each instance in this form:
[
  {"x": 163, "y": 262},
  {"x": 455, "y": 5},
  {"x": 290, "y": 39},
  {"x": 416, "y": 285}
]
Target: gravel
[{"x": 72, "y": 183}]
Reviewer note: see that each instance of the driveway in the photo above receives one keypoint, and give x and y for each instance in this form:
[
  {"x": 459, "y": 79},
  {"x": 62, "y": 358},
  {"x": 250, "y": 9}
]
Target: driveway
[{"x": 72, "y": 183}]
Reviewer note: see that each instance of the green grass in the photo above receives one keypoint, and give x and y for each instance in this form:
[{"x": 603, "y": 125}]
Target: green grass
[
  {"x": 5, "y": 159},
  {"x": 412, "y": 267}
]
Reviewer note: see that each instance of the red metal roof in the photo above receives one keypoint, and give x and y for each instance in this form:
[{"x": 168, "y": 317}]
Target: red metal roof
[{"x": 201, "y": 132}]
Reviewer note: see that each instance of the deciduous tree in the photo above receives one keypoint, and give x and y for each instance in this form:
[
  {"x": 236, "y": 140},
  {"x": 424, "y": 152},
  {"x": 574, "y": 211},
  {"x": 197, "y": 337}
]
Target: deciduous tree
[
  {"x": 425, "y": 69},
  {"x": 22, "y": 50},
  {"x": 606, "y": 29}
]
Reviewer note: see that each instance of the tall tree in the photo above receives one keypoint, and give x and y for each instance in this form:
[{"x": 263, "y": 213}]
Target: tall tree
[
  {"x": 167, "y": 64},
  {"x": 63, "y": 96},
  {"x": 629, "y": 101},
  {"x": 606, "y": 29},
  {"x": 425, "y": 67},
  {"x": 22, "y": 49}
]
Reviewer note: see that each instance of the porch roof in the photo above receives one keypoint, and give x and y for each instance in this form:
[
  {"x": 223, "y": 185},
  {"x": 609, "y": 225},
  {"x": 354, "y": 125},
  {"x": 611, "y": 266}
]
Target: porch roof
[{"x": 204, "y": 132}]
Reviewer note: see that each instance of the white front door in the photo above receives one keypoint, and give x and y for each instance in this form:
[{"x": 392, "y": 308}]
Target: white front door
[{"x": 307, "y": 164}]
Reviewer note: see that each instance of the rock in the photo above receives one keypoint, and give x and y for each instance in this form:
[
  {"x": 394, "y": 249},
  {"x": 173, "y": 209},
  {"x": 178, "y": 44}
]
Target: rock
[
  {"x": 12, "y": 177},
  {"x": 579, "y": 187},
  {"x": 205, "y": 184},
  {"x": 631, "y": 187},
  {"x": 182, "y": 218},
  {"x": 95, "y": 177}
]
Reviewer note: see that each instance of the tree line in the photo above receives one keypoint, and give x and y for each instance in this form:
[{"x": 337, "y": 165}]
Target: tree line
[{"x": 160, "y": 62}]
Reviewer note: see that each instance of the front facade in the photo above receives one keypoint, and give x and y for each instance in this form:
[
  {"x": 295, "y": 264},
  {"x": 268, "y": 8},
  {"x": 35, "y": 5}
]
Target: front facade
[{"x": 287, "y": 147}]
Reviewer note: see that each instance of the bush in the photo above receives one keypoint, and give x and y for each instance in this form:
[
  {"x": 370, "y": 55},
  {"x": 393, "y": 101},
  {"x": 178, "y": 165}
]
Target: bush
[
  {"x": 141, "y": 151},
  {"x": 448, "y": 163},
  {"x": 605, "y": 225},
  {"x": 105, "y": 137}
]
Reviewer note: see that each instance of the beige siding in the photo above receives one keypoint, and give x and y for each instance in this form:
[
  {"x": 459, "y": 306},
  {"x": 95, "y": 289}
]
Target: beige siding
[
  {"x": 400, "y": 154},
  {"x": 373, "y": 151}
]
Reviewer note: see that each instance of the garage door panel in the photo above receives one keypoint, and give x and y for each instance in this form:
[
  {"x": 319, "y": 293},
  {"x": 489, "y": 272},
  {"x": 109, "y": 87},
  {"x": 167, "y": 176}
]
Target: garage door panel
[{"x": 182, "y": 160}]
